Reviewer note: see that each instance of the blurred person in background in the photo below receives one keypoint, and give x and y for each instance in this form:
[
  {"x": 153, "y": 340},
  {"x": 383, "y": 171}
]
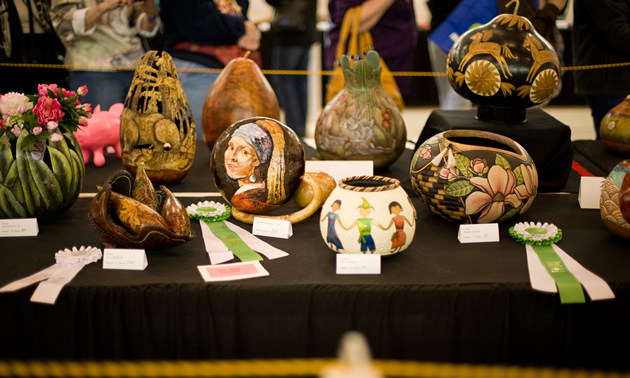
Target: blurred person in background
[
  {"x": 294, "y": 32},
  {"x": 193, "y": 31},
  {"x": 104, "y": 33}
]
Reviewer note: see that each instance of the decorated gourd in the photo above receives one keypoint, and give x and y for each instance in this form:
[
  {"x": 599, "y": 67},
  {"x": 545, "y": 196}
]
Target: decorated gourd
[
  {"x": 241, "y": 91},
  {"x": 504, "y": 66},
  {"x": 157, "y": 128},
  {"x": 361, "y": 122}
]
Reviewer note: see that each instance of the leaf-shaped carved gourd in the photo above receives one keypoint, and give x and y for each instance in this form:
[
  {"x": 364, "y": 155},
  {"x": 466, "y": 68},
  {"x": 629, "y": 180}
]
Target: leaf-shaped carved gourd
[
  {"x": 134, "y": 215},
  {"x": 143, "y": 190},
  {"x": 241, "y": 91},
  {"x": 174, "y": 213}
]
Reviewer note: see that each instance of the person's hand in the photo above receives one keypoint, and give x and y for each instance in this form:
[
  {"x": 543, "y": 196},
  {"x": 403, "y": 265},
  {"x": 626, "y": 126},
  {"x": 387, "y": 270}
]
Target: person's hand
[
  {"x": 251, "y": 39},
  {"x": 147, "y": 6},
  {"x": 560, "y": 4}
]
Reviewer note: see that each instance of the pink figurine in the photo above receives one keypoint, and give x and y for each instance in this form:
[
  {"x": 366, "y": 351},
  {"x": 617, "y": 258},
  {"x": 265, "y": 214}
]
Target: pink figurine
[{"x": 103, "y": 131}]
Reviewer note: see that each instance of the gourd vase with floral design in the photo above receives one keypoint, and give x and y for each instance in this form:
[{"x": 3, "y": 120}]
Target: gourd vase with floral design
[
  {"x": 41, "y": 163},
  {"x": 472, "y": 176},
  {"x": 368, "y": 214},
  {"x": 614, "y": 204},
  {"x": 614, "y": 129},
  {"x": 361, "y": 122},
  {"x": 504, "y": 66}
]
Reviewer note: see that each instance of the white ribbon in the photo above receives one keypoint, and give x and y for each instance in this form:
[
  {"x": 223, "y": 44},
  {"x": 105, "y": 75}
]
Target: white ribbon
[
  {"x": 596, "y": 288},
  {"x": 69, "y": 263},
  {"x": 219, "y": 253}
]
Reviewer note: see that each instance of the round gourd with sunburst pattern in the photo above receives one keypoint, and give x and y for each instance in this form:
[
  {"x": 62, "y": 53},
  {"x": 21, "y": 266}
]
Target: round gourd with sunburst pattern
[{"x": 504, "y": 66}]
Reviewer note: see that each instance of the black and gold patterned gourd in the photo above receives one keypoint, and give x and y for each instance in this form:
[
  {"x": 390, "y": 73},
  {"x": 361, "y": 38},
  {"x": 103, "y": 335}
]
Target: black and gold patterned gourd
[
  {"x": 504, "y": 66},
  {"x": 157, "y": 128}
]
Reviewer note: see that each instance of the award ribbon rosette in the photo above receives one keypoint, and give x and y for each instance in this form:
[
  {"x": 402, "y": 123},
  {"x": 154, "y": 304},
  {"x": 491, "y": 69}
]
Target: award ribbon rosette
[
  {"x": 552, "y": 270},
  {"x": 223, "y": 239},
  {"x": 68, "y": 264}
]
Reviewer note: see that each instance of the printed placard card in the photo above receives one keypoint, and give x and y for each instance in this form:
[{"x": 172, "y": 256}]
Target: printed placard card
[
  {"x": 275, "y": 228},
  {"x": 478, "y": 233},
  {"x": 124, "y": 259},
  {"x": 19, "y": 227},
  {"x": 341, "y": 169},
  {"x": 232, "y": 272},
  {"x": 590, "y": 191},
  {"x": 358, "y": 264}
]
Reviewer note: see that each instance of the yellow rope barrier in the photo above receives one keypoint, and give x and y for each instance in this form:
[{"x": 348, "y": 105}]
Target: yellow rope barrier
[
  {"x": 278, "y": 368},
  {"x": 277, "y": 72}
]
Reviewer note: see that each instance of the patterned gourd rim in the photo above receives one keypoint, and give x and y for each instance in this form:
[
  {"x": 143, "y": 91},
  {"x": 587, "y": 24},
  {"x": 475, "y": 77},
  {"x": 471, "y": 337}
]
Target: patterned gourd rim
[
  {"x": 388, "y": 183},
  {"x": 518, "y": 150}
]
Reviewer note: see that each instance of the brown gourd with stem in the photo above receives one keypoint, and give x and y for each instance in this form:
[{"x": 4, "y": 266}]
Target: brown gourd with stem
[{"x": 240, "y": 91}]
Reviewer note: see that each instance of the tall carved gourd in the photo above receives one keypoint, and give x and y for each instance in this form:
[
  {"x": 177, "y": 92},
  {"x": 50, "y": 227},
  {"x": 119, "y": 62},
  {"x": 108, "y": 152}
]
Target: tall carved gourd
[
  {"x": 157, "y": 128},
  {"x": 362, "y": 122},
  {"x": 241, "y": 91}
]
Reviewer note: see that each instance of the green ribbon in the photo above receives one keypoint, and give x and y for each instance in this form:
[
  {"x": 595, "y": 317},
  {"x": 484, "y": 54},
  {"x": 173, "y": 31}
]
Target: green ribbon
[
  {"x": 569, "y": 287},
  {"x": 233, "y": 241}
]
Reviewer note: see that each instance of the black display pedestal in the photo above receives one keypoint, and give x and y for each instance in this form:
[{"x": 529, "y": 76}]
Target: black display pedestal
[{"x": 547, "y": 140}]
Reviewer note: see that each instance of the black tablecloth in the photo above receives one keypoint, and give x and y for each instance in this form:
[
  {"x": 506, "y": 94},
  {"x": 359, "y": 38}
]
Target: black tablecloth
[
  {"x": 547, "y": 140},
  {"x": 437, "y": 301}
]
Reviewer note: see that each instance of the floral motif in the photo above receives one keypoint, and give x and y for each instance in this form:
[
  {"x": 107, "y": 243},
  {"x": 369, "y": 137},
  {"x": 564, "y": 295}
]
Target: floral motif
[
  {"x": 529, "y": 189},
  {"x": 483, "y": 78},
  {"x": 544, "y": 86},
  {"x": 41, "y": 115},
  {"x": 496, "y": 190},
  {"x": 479, "y": 166},
  {"x": 426, "y": 152},
  {"x": 448, "y": 173}
]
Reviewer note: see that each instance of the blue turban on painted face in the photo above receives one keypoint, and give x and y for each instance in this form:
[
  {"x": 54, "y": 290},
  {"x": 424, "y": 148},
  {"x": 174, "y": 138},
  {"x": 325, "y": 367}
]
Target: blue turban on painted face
[{"x": 258, "y": 138}]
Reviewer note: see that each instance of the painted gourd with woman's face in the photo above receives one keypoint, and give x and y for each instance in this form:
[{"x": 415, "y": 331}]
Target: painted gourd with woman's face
[{"x": 257, "y": 164}]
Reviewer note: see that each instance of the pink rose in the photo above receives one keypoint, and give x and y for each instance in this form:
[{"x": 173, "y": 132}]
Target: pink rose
[
  {"x": 56, "y": 137},
  {"x": 67, "y": 93},
  {"x": 47, "y": 109},
  {"x": 83, "y": 90},
  {"x": 37, "y": 130},
  {"x": 3, "y": 124},
  {"x": 478, "y": 165},
  {"x": 52, "y": 125},
  {"x": 16, "y": 130},
  {"x": 42, "y": 90},
  {"x": 448, "y": 173},
  {"x": 426, "y": 152},
  {"x": 83, "y": 122},
  {"x": 87, "y": 108}
]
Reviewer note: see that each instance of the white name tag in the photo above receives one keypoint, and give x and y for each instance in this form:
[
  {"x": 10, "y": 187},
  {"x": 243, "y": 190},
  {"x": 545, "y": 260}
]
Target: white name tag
[
  {"x": 274, "y": 228},
  {"x": 18, "y": 227},
  {"x": 124, "y": 259},
  {"x": 358, "y": 264},
  {"x": 590, "y": 192},
  {"x": 341, "y": 169},
  {"x": 478, "y": 233}
]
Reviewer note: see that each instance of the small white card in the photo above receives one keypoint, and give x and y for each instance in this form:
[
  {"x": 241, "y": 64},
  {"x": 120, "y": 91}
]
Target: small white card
[
  {"x": 358, "y": 264},
  {"x": 275, "y": 228},
  {"x": 231, "y": 272},
  {"x": 340, "y": 169},
  {"x": 124, "y": 259},
  {"x": 590, "y": 192},
  {"x": 18, "y": 227},
  {"x": 478, "y": 233}
]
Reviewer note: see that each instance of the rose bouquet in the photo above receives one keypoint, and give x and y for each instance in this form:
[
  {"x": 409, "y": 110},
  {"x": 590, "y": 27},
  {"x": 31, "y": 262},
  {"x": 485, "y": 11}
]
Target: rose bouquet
[
  {"x": 40, "y": 115},
  {"x": 41, "y": 164}
]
